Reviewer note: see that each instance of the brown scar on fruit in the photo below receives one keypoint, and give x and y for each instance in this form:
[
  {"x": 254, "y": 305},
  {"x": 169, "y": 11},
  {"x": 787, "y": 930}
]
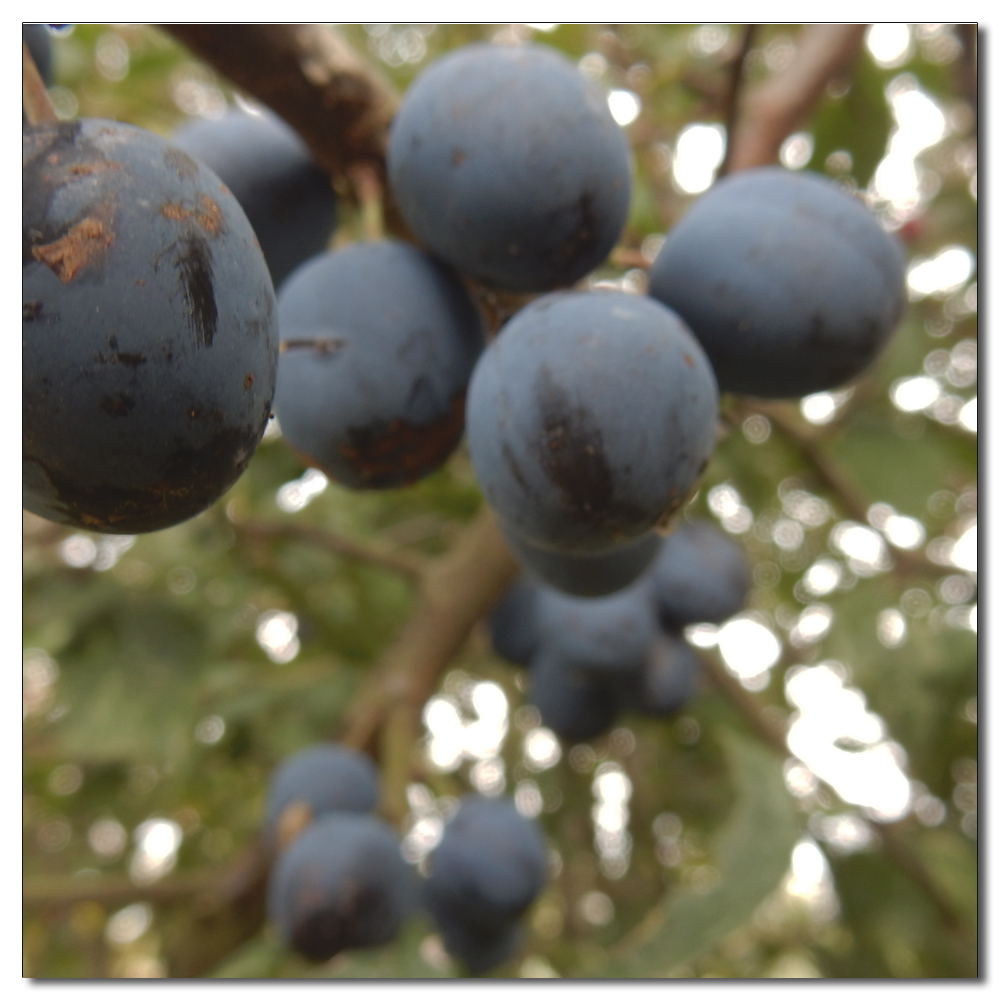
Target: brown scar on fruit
[
  {"x": 78, "y": 248},
  {"x": 379, "y": 456},
  {"x": 248, "y": 382},
  {"x": 208, "y": 216},
  {"x": 96, "y": 167}
]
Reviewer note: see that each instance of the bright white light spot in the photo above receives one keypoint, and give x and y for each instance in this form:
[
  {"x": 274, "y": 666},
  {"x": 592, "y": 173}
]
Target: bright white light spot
[
  {"x": 965, "y": 553},
  {"x": 788, "y": 534},
  {"x": 210, "y": 730},
  {"x": 803, "y": 506},
  {"x": 799, "y": 779},
  {"x": 697, "y": 155},
  {"x": 77, "y": 551},
  {"x": 528, "y": 799},
  {"x": 112, "y": 56},
  {"x": 723, "y": 500},
  {"x": 891, "y": 628},
  {"x": 904, "y": 532},
  {"x": 488, "y": 776},
  {"x": 930, "y": 810},
  {"x": 704, "y": 636},
  {"x": 921, "y": 122},
  {"x": 823, "y": 576},
  {"x": 748, "y": 648},
  {"x": 707, "y": 39},
  {"x": 866, "y": 551},
  {"x": 541, "y": 749},
  {"x": 444, "y": 723},
  {"x": 868, "y": 772},
  {"x": 107, "y": 837},
  {"x": 612, "y": 786},
  {"x": 821, "y": 407},
  {"x": 277, "y": 635},
  {"x": 890, "y": 44},
  {"x": 597, "y": 909},
  {"x": 809, "y": 870},
  {"x": 846, "y": 833},
  {"x": 39, "y": 673},
  {"x": 797, "y": 150},
  {"x": 423, "y": 836},
  {"x": 293, "y": 496},
  {"x": 625, "y": 106},
  {"x": 942, "y": 274},
  {"x": 157, "y": 842},
  {"x": 812, "y": 625},
  {"x": 545, "y": 27},
  {"x": 740, "y": 522},
  {"x": 129, "y": 924},
  {"x": 913, "y": 394},
  {"x": 594, "y": 65}
]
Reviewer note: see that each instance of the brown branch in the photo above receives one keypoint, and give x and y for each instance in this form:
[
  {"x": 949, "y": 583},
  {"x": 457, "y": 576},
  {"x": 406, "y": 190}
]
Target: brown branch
[
  {"x": 731, "y": 100},
  {"x": 35, "y": 100},
  {"x": 772, "y": 110},
  {"x": 312, "y": 78},
  {"x": 459, "y": 588},
  {"x": 39, "y": 891},
  {"x": 404, "y": 563}
]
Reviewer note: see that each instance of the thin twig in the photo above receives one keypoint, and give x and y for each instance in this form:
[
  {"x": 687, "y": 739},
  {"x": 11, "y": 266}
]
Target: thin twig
[
  {"x": 35, "y": 99},
  {"x": 369, "y": 192},
  {"x": 404, "y": 563},
  {"x": 459, "y": 588}
]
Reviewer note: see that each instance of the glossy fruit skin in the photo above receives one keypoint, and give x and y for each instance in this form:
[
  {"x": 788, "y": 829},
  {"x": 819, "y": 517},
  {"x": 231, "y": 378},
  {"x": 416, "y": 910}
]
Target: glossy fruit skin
[
  {"x": 789, "y": 283},
  {"x": 379, "y": 342},
  {"x": 270, "y": 171},
  {"x": 514, "y": 623},
  {"x": 668, "y": 679},
  {"x": 587, "y": 574},
  {"x": 506, "y": 161},
  {"x": 149, "y": 338},
  {"x": 488, "y": 868},
  {"x": 590, "y": 418},
  {"x": 607, "y": 636},
  {"x": 701, "y": 575},
  {"x": 342, "y": 884},
  {"x": 575, "y": 704},
  {"x": 326, "y": 777}
]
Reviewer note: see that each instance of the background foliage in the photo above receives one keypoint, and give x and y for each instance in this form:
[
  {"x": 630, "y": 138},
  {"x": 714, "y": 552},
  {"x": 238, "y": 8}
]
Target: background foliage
[{"x": 148, "y": 697}]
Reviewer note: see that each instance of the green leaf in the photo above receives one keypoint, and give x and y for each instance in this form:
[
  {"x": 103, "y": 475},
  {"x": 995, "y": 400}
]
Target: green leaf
[{"x": 752, "y": 850}]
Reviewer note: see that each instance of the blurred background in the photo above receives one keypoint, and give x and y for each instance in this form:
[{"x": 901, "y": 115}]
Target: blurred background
[{"x": 165, "y": 676}]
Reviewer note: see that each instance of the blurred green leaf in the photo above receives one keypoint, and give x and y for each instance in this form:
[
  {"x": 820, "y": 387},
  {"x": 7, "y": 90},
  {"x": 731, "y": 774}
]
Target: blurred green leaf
[{"x": 752, "y": 853}]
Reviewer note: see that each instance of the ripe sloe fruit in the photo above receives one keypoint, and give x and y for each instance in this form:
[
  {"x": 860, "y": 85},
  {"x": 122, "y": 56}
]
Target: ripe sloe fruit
[
  {"x": 342, "y": 884},
  {"x": 590, "y": 418},
  {"x": 488, "y": 867},
  {"x": 477, "y": 949},
  {"x": 789, "y": 283},
  {"x": 506, "y": 161},
  {"x": 325, "y": 778},
  {"x": 608, "y": 635},
  {"x": 575, "y": 704},
  {"x": 269, "y": 169},
  {"x": 149, "y": 339},
  {"x": 587, "y": 574},
  {"x": 379, "y": 340},
  {"x": 668, "y": 679},
  {"x": 514, "y": 623},
  {"x": 701, "y": 575}
]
